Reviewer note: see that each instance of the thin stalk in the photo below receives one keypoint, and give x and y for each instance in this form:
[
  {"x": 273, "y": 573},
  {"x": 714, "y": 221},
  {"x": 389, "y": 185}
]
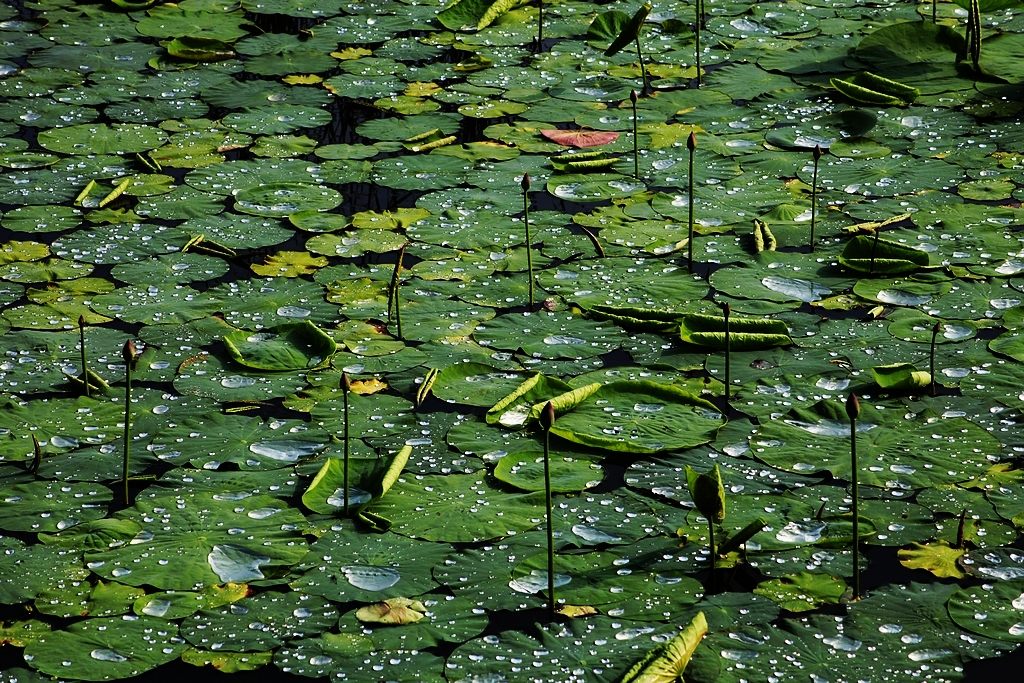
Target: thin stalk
[
  {"x": 712, "y": 549},
  {"x": 874, "y": 250},
  {"x": 643, "y": 67},
  {"x": 546, "y": 421},
  {"x": 931, "y": 356},
  {"x": 960, "y": 529},
  {"x": 974, "y": 40},
  {"x": 37, "y": 455},
  {"x": 934, "y": 12},
  {"x": 691, "y": 145},
  {"x": 696, "y": 49},
  {"x": 526, "y": 222},
  {"x": 81, "y": 343},
  {"x": 394, "y": 301},
  {"x": 853, "y": 411},
  {"x": 130, "y": 355},
  {"x": 636, "y": 152},
  {"x": 540, "y": 25},
  {"x": 814, "y": 193},
  {"x": 726, "y": 310},
  {"x": 703, "y": 15},
  {"x": 346, "y": 387}
]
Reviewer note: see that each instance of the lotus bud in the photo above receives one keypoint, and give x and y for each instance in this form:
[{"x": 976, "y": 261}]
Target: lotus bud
[
  {"x": 526, "y": 182},
  {"x": 130, "y": 354},
  {"x": 817, "y": 152},
  {"x": 691, "y": 142},
  {"x": 632, "y": 96},
  {"x": 853, "y": 407},
  {"x": 547, "y": 417},
  {"x": 346, "y": 383}
]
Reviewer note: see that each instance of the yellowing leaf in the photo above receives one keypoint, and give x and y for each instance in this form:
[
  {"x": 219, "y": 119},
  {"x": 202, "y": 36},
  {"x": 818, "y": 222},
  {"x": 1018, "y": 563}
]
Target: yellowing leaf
[
  {"x": 302, "y": 79},
  {"x": 577, "y": 611},
  {"x": 393, "y": 611},
  {"x": 16, "y": 250},
  {"x": 289, "y": 264},
  {"x": 352, "y": 53},
  {"x": 420, "y": 89},
  {"x": 939, "y": 558},
  {"x": 365, "y": 387},
  {"x": 227, "y": 662}
]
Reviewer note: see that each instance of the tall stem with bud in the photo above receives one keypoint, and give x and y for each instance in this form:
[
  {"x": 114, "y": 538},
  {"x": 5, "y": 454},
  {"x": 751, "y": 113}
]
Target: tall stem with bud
[
  {"x": 814, "y": 192},
  {"x": 691, "y": 145}
]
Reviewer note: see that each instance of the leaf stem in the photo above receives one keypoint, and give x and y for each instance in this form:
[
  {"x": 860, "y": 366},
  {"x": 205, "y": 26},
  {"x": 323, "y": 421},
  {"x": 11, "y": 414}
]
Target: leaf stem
[
  {"x": 814, "y": 193},
  {"x": 691, "y": 145},
  {"x": 853, "y": 411},
  {"x": 526, "y": 222},
  {"x": 643, "y": 66},
  {"x": 726, "y": 310},
  {"x": 129, "y": 354},
  {"x": 636, "y": 153},
  {"x": 931, "y": 357},
  {"x": 81, "y": 343},
  {"x": 546, "y": 421},
  {"x": 346, "y": 386}
]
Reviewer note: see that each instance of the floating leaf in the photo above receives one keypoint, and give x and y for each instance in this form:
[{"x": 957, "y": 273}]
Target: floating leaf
[
  {"x": 580, "y": 138},
  {"x": 295, "y": 346}
]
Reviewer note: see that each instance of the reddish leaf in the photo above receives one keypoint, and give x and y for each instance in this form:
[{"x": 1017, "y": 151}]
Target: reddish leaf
[{"x": 580, "y": 138}]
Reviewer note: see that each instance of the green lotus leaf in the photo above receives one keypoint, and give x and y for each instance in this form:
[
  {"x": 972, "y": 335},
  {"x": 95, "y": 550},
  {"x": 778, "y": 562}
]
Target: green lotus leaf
[
  {"x": 368, "y": 481},
  {"x": 667, "y": 662},
  {"x": 51, "y": 506},
  {"x": 417, "y": 505},
  {"x": 281, "y": 199},
  {"x": 295, "y": 346},
  {"x": 639, "y": 417},
  {"x": 474, "y": 384},
  {"x": 910, "y": 451},
  {"x": 199, "y": 49},
  {"x": 344, "y": 566},
  {"x": 29, "y": 570},
  {"x": 993, "y": 610},
  {"x": 173, "y": 605},
  {"x": 525, "y": 471},
  {"x": 282, "y": 616},
  {"x": 871, "y": 256},
  {"x": 514, "y": 409},
  {"x": 199, "y": 536},
  {"x": 744, "y": 333},
  {"x": 117, "y": 138},
  {"x": 167, "y": 21},
  {"x": 106, "y": 649},
  {"x": 803, "y": 592},
  {"x": 900, "y": 377}
]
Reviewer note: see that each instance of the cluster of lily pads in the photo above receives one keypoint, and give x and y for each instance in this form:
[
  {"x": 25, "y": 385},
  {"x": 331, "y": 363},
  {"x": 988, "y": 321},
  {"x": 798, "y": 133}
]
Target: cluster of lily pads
[{"x": 323, "y": 320}]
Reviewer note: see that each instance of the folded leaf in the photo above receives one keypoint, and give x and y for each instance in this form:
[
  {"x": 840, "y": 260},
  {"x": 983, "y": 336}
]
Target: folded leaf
[
  {"x": 745, "y": 334},
  {"x": 666, "y": 663},
  {"x": 900, "y": 377},
  {"x": 514, "y": 409},
  {"x": 890, "y": 258}
]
